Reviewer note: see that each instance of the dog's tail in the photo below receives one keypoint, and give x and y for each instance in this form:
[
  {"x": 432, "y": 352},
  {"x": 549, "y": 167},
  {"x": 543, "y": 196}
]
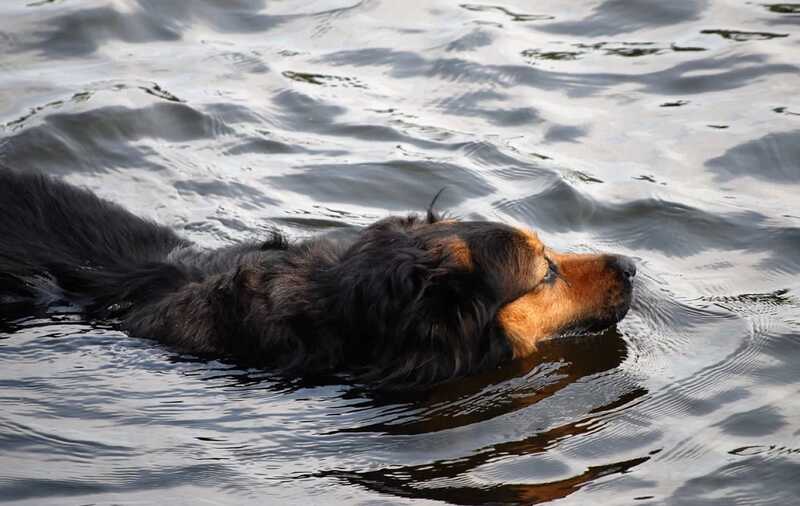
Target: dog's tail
[{"x": 54, "y": 236}]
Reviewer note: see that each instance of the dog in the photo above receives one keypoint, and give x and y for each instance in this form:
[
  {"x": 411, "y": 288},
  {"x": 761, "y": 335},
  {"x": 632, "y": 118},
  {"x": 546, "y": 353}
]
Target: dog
[{"x": 410, "y": 300}]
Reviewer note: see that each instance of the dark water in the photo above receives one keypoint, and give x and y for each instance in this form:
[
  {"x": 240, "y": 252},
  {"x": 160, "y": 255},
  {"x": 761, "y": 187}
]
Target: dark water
[{"x": 668, "y": 131}]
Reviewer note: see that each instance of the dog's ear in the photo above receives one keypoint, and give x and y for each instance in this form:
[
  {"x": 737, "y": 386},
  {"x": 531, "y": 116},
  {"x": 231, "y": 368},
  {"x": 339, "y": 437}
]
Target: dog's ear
[
  {"x": 408, "y": 306},
  {"x": 387, "y": 273}
]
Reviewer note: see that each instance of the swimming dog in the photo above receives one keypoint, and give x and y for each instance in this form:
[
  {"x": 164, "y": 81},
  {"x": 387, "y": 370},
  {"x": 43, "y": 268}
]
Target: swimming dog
[{"x": 410, "y": 300}]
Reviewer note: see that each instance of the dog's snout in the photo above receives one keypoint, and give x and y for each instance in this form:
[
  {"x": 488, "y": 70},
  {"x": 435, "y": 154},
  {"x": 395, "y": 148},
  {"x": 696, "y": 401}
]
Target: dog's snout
[{"x": 625, "y": 265}]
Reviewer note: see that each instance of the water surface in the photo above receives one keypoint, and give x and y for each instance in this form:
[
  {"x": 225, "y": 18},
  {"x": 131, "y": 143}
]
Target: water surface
[{"x": 667, "y": 131}]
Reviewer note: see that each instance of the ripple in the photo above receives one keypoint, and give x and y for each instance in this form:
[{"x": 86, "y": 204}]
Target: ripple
[
  {"x": 304, "y": 113},
  {"x": 783, "y": 8},
  {"x": 39, "y": 439},
  {"x": 514, "y": 16},
  {"x": 470, "y": 105},
  {"x": 251, "y": 63},
  {"x": 685, "y": 230},
  {"x": 375, "y": 184},
  {"x": 323, "y": 80},
  {"x": 231, "y": 190},
  {"x": 773, "y": 157},
  {"x": 758, "y": 422},
  {"x": 740, "y": 36},
  {"x": 613, "y": 17},
  {"x": 536, "y": 54},
  {"x": 718, "y": 74},
  {"x": 785, "y": 110},
  {"x": 83, "y": 31},
  {"x": 103, "y": 138},
  {"x": 470, "y": 42},
  {"x": 750, "y": 481}
]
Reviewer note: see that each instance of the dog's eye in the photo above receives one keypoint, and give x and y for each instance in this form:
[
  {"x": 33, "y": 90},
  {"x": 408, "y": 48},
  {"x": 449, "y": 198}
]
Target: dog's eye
[{"x": 552, "y": 272}]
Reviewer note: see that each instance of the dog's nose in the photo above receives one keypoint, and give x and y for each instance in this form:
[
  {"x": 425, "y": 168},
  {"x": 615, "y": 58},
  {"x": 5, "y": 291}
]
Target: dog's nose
[{"x": 624, "y": 265}]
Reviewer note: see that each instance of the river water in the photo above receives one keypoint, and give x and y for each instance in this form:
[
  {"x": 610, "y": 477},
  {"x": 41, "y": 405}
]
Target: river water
[{"x": 667, "y": 131}]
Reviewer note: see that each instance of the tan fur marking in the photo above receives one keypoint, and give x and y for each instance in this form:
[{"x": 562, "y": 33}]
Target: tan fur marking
[
  {"x": 533, "y": 240},
  {"x": 586, "y": 286},
  {"x": 459, "y": 251}
]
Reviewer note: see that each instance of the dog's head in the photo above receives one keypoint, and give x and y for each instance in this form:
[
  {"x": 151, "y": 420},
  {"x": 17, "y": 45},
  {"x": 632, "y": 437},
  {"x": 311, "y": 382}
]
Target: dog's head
[{"x": 421, "y": 300}]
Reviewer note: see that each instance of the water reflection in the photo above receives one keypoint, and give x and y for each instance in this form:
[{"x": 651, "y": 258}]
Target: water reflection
[
  {"x": 558, "y": 364},
  {"x": 416, "y": 481}
]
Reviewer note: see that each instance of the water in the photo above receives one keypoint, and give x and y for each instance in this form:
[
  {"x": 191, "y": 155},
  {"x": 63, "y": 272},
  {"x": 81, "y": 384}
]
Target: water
[{"x": 667, "y": 131}]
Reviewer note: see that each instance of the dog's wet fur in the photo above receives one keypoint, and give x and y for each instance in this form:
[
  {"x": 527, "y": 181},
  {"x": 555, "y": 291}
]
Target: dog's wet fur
[{"x": 410, "y": 300}]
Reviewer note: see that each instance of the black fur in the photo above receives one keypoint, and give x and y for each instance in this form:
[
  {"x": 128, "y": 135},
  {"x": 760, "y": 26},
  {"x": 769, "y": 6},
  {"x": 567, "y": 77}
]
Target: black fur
[{"x": 391, "y": 306}]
